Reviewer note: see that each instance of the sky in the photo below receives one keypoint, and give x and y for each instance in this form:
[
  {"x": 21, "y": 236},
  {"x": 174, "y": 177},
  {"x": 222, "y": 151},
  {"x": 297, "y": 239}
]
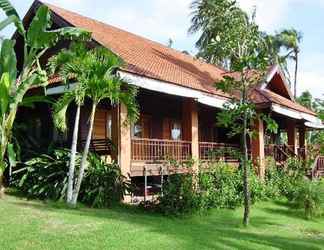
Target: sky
[{"x": 161, "y": 20}]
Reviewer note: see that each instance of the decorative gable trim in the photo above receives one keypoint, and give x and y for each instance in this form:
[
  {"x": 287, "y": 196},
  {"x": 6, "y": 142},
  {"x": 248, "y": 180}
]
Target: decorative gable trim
[{"x": 276, "y": 69}]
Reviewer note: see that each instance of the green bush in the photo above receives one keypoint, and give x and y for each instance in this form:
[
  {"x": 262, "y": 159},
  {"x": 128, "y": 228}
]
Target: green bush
[
  {"x": 180, "y": 196},
  {"x": 293, "y": 174},
  {"x": 46, "y": 176},
  {"x": 103, "y": 184},
  {"x": 273, "y": 179},
  {"x": 221, "y": 186},
  {"x": 258, "y": 188},
  {"x": 309, "y": 195}
]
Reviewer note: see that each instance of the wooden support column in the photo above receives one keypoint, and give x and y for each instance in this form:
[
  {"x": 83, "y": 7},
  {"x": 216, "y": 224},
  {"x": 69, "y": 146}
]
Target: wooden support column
[
  {"x": 302, "y": 141},
  {"x": 124, "y": 142},
  {"x": 190, "y": 127},
  {"x": 257, "y": 148},
  {"x": 292, "y": 135}
]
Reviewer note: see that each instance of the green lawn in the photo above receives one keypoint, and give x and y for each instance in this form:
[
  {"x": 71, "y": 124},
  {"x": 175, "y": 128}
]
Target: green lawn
[{"x": 36, "y": 225}]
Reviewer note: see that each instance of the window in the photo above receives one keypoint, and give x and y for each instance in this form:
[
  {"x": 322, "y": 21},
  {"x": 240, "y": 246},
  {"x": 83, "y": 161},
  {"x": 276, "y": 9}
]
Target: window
[
  {"x": 143, "y": 127},
  {"x": 102, "y": 127},
  {"x": 108, "y": 125},
  {"x": 176, "y": 130},
  {"x": 137, "y": 129}
]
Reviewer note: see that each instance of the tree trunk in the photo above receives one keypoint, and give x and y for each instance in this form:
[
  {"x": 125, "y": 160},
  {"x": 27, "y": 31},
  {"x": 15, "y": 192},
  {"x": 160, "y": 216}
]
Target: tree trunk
[
  {"x": 246, "y": 177},
  {"x": 73, "y": 155},
  {"x": 84, "y": 156},
  {"x": 246, "y": 190},
  {"x": 296, "y": 71}
]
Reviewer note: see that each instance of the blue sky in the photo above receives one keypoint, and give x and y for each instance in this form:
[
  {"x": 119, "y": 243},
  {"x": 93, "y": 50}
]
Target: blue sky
[{"x": 160, "y": 20}]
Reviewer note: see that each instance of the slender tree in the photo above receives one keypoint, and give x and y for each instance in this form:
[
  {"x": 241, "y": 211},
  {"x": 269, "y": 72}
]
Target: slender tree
[
  {"x": 66, "y": 64},
  {"x": 13, "y": 85},
  {"x": 95, "y": 73},
  {"x": 244, "y": 44}
]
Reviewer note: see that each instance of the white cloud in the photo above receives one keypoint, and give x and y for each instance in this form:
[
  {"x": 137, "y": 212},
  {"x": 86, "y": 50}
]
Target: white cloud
[
  {"x": 269, "y": 13},
  {"x": 313, "y": 81},
  {"x": 158, "y": 20},
  {"x": 311, "y": 75}
]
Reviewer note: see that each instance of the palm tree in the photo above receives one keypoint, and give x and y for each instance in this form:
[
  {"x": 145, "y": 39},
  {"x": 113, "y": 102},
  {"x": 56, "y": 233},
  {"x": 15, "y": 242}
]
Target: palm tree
[
  {"x": 95, "y": 73},
  {"x": 273, "y": 48},
  {"x": 289, "y": 39},
  {"x": 209, "y": 19},
  {"x": 65, "y": 63},
  {"x": 306, "y": 99}
]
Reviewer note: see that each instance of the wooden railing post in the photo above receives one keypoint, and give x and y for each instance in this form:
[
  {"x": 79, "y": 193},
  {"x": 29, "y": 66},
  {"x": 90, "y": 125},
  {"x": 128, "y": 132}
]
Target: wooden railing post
[{"x": 157, "y": 150}]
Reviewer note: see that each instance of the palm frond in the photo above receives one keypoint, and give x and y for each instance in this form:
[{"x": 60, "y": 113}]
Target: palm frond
[{"x": 60, "y": 109}]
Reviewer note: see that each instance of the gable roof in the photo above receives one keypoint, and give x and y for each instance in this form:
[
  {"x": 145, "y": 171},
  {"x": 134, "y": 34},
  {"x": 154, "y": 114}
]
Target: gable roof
[
  {"x": 153, "y": 60},
  {"x": 277, "y": 82}
]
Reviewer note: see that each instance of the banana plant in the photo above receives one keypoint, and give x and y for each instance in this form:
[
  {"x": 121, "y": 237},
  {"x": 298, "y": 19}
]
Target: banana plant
[{"x": 37, "y": 39}]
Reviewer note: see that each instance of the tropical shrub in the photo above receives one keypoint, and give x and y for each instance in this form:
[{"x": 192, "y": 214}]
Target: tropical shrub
[
  {"x": 258, "y": 188},
  {"x": 103, "y": 183},
  {"x": 309, "y": 195},
  {"x": 218, "y": 185},
  {"x": 292, "y": 177},
  {"x": 273, "y": 177},
  {"x": 221, "y": 186},
  {"x": 46, "y": 177},
  {"x": 180, "y": 196}
]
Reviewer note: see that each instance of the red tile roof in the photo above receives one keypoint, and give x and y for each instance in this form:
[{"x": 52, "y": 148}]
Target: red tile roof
[
  {"x": 154, "y": 60},
  {"x": 278, "y": 99},
  {"x": 148, "y": 58}
]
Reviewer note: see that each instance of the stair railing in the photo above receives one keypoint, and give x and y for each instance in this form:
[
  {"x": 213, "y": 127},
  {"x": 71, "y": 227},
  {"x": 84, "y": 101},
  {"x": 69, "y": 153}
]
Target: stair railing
[{"x": 314, "y": 168}]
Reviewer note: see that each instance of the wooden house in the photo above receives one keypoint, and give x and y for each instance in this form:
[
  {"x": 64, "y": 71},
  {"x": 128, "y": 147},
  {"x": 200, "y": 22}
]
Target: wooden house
[{"x": 178, "y": 105}]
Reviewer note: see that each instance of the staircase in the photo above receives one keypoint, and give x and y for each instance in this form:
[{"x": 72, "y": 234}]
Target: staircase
[
  {"x": 282, "y": 153},
  {"x": 318, "y": 168}
]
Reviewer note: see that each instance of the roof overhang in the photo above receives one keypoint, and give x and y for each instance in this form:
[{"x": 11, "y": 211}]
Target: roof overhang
[
  {"x": 310, "y": 120},
  {"x": 155, "y": 85},
  {"x": 314, "y": 125},
  {"x": 172, "y": 89}
]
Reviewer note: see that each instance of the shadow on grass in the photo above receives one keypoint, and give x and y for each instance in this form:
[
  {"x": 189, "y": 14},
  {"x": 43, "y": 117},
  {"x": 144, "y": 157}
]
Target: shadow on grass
[
  {"x": 218, "y": 230},
  {"x": 292, "y": 213}
]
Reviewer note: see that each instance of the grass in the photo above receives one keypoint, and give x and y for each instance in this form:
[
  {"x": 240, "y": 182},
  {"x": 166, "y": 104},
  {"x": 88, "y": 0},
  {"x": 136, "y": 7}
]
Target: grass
[{"x": 37, "y": 225}]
